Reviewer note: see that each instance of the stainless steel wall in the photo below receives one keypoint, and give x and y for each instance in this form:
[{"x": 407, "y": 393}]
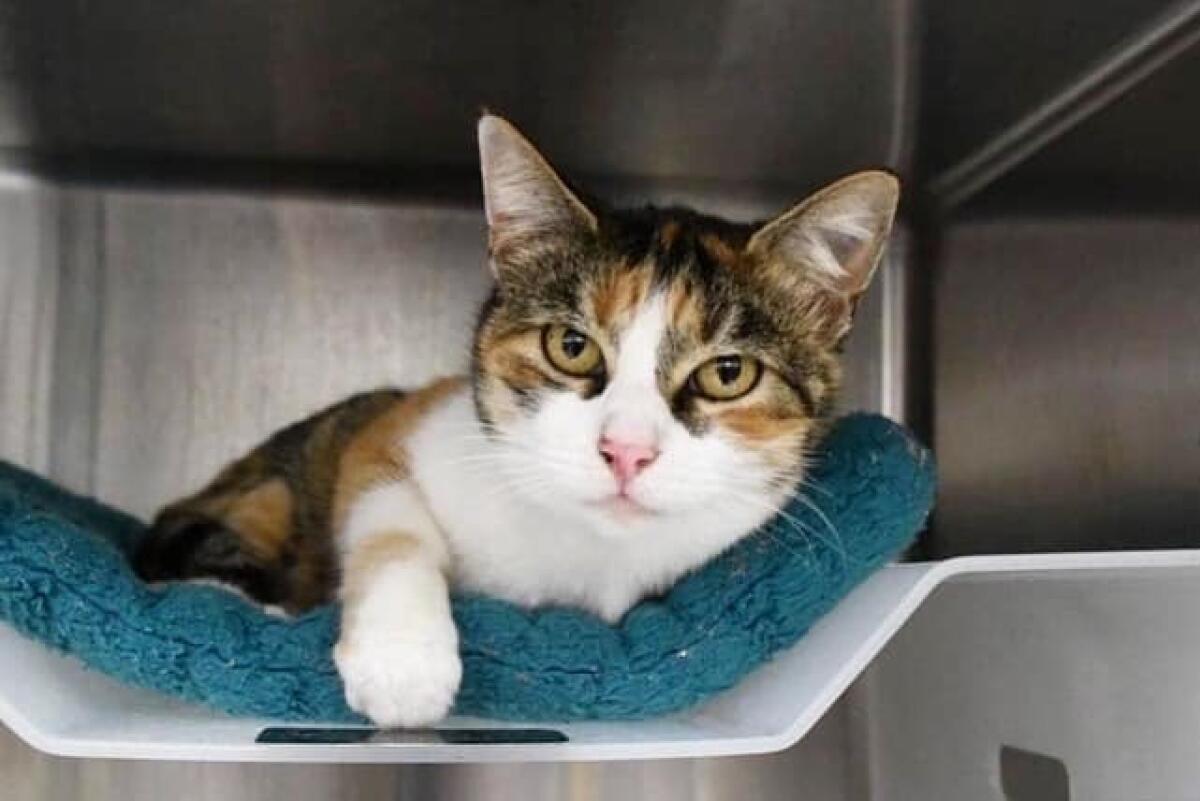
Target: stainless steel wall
[
  {"x": 150, "y": 334},
  {"x": 1067, "y": 373},
  {"x": 730, "y": 91}
]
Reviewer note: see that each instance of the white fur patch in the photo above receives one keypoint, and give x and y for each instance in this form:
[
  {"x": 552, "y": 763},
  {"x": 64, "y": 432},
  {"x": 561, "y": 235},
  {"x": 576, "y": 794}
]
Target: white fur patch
[
  {"x": 399, "y": 681},
  {"x": 398, "y": 651},
  {"x": 632, "y": 406},
  {"x": 392, "y": 507},
  {"x": 270, "y": 609}
]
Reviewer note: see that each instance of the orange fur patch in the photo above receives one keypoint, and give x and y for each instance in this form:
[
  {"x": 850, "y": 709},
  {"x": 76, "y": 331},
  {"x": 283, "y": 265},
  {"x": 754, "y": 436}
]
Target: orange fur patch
[
  {"x": 376, "y": 453},
  {"x": 520, "y": 370},
  {"x": 758, "y": 425},
  {"x": 719, "y": 250},
  {"x": 510, "y": 360},
  {"x": 668, "y": 234},
  {"x": 387, "y": 547},
  {"x": 685, "y": 312},
  {"x": 262, "y": 517},
  {"x": 380, "y": 549},
  {"x": 618, "y": 294},
  {"x": 501, "y": 354}
]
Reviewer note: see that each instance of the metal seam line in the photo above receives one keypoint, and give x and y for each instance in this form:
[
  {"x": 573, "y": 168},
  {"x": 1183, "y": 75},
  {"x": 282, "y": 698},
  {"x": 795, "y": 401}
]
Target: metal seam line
[{"x": 1123, "y": 68}]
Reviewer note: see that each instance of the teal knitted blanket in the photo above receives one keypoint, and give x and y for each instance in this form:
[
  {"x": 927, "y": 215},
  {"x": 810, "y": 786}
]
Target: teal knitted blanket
[{"x": 65, "y": 580}]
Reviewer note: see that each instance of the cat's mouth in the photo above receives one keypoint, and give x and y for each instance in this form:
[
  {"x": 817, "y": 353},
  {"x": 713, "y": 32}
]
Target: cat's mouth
[{"x": 624, "y": 507}]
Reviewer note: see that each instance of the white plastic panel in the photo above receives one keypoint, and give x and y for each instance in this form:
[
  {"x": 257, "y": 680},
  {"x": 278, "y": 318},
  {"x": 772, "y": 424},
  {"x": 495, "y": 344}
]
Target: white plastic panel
[
  {"x": 60, "y": 708},
  {"x": 1106, "y": 651},
  {"x": 1096, "y": 670}
]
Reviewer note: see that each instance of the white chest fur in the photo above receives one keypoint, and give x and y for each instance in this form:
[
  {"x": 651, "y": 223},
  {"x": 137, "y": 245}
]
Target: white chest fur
[{"x": 508, "y": 545}]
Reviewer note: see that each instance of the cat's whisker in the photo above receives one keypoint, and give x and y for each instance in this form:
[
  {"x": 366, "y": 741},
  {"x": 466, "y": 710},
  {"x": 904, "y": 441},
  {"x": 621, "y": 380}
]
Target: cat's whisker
[
  {"x": 561, "y": 463},
  {"x": 523, "y": 485},
  {"x": 802, "y": 530},
  {"x": 807, "y": 482},
  {"x": 819, "y": 512},
  {"x": 510, "y": 469},
  {"x": 507, "y": 480},
  {"x": 742, "y": 493},
  {"x": 834, "y": 543},
  {"x": 807, "y": 533},
  {"x": 557, "y": 460},
  {"x": 516, "y": 445}
]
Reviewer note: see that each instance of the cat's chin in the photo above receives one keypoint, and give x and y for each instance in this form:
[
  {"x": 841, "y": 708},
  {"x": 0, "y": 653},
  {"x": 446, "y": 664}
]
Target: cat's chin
[{"x": 613, "y": 517}]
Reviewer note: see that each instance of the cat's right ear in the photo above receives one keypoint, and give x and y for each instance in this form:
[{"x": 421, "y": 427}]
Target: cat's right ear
[{"x": 528, "y": 206}]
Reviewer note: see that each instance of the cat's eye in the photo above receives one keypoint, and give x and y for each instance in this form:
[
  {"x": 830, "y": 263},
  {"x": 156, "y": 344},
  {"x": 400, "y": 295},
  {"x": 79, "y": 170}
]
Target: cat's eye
[
  {"x": 571, "y": 351},
  {"x": 726, "y": 377}
]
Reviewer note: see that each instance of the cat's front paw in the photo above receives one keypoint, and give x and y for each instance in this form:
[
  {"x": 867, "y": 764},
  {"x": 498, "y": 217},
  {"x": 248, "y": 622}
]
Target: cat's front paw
[{"x": 399, "y": 681}]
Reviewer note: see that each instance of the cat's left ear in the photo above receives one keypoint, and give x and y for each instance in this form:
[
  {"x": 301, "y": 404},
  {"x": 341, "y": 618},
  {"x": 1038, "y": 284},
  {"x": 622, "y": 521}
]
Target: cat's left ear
[{"x": 835, "y": 238}]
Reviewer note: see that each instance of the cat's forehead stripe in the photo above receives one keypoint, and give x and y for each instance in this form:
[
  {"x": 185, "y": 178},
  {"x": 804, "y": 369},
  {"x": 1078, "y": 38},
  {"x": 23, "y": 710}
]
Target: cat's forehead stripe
[
  {"x": 685, "y": 312},
  {"x": 719, "y": 250},
  {"x": 668, "y": 234},
  {"x": 618, "y": 293}
]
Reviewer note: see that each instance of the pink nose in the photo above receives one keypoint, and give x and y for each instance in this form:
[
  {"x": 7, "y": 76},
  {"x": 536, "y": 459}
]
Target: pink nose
[{"x": 627, "y": 459}]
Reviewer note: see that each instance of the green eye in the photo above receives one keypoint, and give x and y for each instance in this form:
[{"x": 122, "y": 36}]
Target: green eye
[
  {"x": 726, "y": 377},
  {"x": 570, "y": 351}
]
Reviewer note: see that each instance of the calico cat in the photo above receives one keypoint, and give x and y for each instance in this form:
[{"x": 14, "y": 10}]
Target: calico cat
[{"x": 643, "y": 390}]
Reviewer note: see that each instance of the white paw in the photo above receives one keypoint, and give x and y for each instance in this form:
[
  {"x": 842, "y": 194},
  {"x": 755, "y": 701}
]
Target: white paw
[{"x": 397, "y": 680}]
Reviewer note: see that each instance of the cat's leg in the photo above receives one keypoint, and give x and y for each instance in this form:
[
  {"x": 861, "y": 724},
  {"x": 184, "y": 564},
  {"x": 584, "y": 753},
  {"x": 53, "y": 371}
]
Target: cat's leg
[
  {"x": 232, "y": 533},
  {"x": 398, "y": 649}
]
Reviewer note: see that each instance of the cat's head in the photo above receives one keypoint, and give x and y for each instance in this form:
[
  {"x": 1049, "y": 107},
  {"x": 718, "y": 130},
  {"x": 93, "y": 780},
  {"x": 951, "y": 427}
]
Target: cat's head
[{"x": 638, "y": 365}]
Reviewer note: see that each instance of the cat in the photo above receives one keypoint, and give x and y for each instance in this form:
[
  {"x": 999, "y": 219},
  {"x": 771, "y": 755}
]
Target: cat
[{"x": 644, "y": 387}]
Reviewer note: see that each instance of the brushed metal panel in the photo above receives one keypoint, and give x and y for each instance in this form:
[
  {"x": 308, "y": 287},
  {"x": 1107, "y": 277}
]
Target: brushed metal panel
[
  {"x": 74, "y": 401},
  {"x": 744, "y": 90},
  {"x": 227, "y": 317},
  {"x": 1067, "y": 372},
  {"x": 1138, "y": 154},
  {"x": 862, "y": 361},
  {"x": 28, "y": 288},
  {"x": 986, "y": 64}
]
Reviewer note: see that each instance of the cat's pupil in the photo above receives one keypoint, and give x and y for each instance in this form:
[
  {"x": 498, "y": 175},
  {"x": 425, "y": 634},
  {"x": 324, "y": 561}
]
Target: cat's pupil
[
  {"x": 573, "y": 344},
  {"x": 729, "y": 368}
]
